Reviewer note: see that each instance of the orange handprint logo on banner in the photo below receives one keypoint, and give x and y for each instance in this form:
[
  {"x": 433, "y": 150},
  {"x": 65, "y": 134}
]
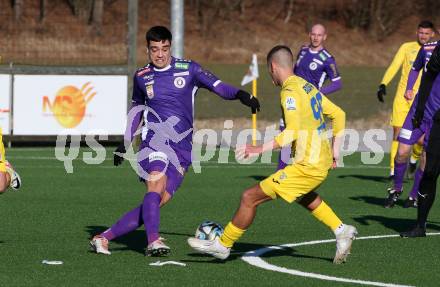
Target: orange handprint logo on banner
[{"x": 69, "y": 105}]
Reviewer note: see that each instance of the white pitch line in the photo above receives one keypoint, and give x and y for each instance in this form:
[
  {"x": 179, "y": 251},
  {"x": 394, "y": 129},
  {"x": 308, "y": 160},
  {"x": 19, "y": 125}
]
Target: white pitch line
[{"x": 252, "y": 257}]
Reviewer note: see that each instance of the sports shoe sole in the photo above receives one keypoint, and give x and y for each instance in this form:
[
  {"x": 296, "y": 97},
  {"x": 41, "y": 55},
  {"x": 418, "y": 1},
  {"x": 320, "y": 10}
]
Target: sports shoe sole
[{"x": 159, "y": 252}]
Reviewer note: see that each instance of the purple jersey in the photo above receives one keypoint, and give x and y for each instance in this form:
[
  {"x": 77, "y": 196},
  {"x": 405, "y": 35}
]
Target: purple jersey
[
  {"x": 169, "y": 95},
  {"x": 423, "y": 56},
  {"x": 433, "y": 102},
  {"x": 316, "y": 67}
]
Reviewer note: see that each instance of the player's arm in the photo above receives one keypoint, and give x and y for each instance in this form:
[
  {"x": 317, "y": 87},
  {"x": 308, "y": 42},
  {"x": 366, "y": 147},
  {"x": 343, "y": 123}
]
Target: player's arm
[
  {"x": 335, "y": 78},
  {"x": 209, "y": 81},
  {"x": 391, "y": 72},
  {"x": 134, "y": 119},
  {"x": 414, "y": 74},
  {"x": 337, "y": 117},
  {"x": 286, "y": 137},
  {"x": 428, "y": 77}
]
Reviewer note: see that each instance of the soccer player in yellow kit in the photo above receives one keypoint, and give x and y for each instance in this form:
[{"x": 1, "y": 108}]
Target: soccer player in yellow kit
[
  {"x": 8, "y": 176},
  {"x": 303, "y": 109},
  {"x": 404, "y": 58}
]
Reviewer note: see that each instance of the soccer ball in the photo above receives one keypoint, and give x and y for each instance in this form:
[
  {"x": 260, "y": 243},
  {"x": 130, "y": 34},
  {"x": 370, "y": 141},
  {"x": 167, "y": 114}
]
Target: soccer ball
[{"x": 209, "y": 230}]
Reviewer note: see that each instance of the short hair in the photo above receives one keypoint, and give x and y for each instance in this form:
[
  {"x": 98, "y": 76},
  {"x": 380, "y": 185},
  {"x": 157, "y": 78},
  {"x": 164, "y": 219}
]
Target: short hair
[
  {"x": 426, "y": 24},
  {"x": 282, "y": 55},
  {"x": 158, "y": 34}
]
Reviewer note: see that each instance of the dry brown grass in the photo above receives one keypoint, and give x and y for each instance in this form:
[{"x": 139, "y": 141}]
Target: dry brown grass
[{"x": 65, "y": 39}]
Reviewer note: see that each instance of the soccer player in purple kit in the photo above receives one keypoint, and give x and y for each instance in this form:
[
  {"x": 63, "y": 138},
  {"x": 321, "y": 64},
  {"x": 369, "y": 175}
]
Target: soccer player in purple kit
[
  {"x": 314, "y": 64},
  {"x": 163, "y": 97},
  {"x": 409, "y": 136},
  {"x": 427, "y": 117}
]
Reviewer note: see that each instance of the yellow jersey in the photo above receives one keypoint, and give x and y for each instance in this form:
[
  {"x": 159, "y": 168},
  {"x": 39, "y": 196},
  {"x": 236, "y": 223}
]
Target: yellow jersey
[
  {"x": 404, "y": 58},
  {"x": 304, "y": 108}
]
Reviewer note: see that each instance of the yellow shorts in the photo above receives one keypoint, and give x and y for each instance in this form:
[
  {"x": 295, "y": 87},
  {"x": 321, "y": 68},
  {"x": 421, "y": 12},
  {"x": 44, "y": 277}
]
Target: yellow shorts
[
  {"x": 292, "y": 182},
  {"x": 401, "y": 108},
  {"x": 2, "y": 154}
]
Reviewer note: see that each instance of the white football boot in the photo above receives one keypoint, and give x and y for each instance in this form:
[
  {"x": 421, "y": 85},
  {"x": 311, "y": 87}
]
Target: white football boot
[
  {"x": 99, "y": 244},
  {"x": 343, "y": 243},
  {"x": 157, "y": 248},
  {"x": 211, "y": 247},
  {"x": 15, "y": 177}
]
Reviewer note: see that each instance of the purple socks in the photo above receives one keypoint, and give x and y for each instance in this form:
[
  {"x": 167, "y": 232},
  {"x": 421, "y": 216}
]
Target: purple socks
[
  {"x": 416, "y": 183},
  {"x": 151, "y": 215},
  {"x": 129, "y": 222},
  {"x": 399, "y": 173},
  {"x": 147, "y": 213}
]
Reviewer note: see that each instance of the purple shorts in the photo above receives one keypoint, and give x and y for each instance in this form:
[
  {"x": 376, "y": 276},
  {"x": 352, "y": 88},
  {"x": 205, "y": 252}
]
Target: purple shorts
[
  {"x": 408, "y": 135},
  {"x": 168, "y": 161}
]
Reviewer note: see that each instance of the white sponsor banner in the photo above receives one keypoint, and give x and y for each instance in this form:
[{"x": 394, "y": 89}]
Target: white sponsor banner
[
  {"x": 73, "y": 104},
  {"x": 5, "y": 113}
]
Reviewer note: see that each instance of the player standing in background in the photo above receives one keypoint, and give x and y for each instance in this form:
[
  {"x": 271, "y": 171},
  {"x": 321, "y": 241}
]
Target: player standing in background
[
  {"x": 8, "y": 176},
  {"x": 427, "y": 118},
  {"x": 163, "y": 98},
  {"x": 316, "y": 65},
  {"x": 304, "y": 108},
  {"x": 404, "y": 59},
  {"x": 409, "y": 136}
]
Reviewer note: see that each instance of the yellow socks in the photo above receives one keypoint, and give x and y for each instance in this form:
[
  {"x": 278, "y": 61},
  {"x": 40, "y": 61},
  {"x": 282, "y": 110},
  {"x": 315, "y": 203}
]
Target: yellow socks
[
  {"x": 231, "y": 235},
  {"x": 393, "y": 152},
  {"x": 416, "y": 152},
  {"x": 326, "y": 215}
]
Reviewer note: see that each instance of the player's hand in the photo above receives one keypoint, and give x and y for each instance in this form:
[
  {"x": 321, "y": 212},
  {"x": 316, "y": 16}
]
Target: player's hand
[
  {"x": 118, "y": 156},
  {"x": 246, "y": 151},
  {"x": 248, "y": 100},
  {"x": 409, "y": 95},
  {"x": 381, "y": 91}
]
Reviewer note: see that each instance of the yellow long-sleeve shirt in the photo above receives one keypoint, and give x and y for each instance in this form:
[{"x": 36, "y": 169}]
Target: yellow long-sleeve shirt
[
  {"x": 404, "y": 58},
  {"x": 304, "y": 108}
]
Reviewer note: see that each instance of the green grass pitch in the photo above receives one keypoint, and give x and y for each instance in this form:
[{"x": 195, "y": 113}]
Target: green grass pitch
[{"x": 55, "y": 214}]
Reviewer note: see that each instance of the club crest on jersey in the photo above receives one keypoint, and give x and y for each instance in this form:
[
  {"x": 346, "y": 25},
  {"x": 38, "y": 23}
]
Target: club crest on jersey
[
  {"x": 179, "y": 82},
  {"x": 290, "y": 104},
  {"x": 313, "y": 66},
  {"x": 322, "y": 56},
  {"x": 150, "y": 91},
  {"x": 308, "y": 88}
]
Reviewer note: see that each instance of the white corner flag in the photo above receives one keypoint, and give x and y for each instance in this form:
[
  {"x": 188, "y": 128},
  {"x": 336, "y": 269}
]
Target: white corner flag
[{"x": 252, "y": 73}]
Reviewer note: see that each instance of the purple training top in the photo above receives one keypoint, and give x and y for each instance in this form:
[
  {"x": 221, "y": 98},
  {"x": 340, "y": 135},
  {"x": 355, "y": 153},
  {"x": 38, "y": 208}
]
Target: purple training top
[{"x": 316, "y": 67}]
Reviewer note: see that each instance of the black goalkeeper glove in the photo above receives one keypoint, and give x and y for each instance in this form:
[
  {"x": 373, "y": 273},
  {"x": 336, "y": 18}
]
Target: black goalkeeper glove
[
  {"x": 382, "y": 91},
  {"x": 248, "y": 100},
  {"x": 118, "y": 159}
]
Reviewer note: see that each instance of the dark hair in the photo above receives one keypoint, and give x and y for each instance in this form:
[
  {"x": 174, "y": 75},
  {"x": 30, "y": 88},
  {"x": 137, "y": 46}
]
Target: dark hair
[
  {"x": 276, "y": 49},
  {"x": 426, "y": 24},
  {"x": 158, "y": 34}
]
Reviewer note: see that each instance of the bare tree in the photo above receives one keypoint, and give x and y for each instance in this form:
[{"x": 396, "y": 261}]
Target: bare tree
[
  {"x": 97, "y": 15},
  {"x": 43, "y": 5},
  {"x": 18, "y": 9}
]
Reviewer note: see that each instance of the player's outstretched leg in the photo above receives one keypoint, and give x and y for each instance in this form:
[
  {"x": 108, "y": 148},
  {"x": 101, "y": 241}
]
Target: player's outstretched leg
[
  {"x": 243, "y": 218},
  {"x": 9, "y": 177},
  {"x": 345, "y": 234},
  {"x": 131, "y": 221}
]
